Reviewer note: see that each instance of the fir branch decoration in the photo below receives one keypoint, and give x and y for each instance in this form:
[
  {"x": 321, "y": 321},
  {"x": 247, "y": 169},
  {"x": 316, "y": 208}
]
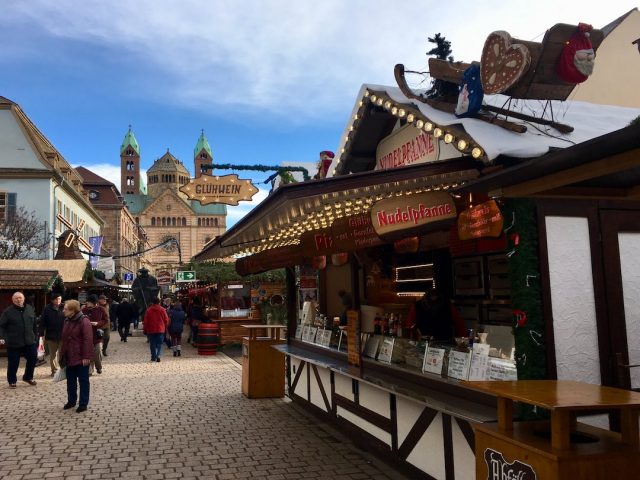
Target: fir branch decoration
[{"x": 261, "y": 168}]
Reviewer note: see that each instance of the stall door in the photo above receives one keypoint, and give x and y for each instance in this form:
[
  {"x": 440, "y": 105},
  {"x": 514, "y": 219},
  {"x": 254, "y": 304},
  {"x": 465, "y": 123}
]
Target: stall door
[{"x": 621, "y": 255}]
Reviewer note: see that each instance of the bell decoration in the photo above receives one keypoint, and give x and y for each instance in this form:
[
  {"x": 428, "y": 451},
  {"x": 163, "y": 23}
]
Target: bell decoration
[{"x": 338, "y": 259}]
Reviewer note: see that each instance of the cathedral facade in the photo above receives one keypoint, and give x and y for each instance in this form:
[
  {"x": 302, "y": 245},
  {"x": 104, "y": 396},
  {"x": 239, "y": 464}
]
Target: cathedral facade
[{"x": 165, "y": 213}]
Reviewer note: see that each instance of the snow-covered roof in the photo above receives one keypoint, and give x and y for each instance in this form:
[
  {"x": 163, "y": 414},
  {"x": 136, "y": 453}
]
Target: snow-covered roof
[{"x": 589, "y": 121}]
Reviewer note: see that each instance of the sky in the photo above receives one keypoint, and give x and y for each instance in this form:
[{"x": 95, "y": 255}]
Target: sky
[{"x": 269, "y": 81}]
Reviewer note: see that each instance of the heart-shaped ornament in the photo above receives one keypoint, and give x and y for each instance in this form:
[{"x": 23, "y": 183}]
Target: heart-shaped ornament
[{"x": 503, "y": 63}]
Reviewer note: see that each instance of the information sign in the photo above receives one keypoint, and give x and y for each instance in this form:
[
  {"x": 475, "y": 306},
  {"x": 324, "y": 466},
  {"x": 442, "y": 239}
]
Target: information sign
[
  {"x": 353, "y": 338},
  {"x": 186, "y": 276},
  {"x": 433, "y": 360},
  {"x": 459, "y": 364}
]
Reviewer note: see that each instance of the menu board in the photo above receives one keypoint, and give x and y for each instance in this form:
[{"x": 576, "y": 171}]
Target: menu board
[
  {"x": 386, "y": 349},
  {"x": 479, "y": 369},
  {"x": 502, "y": 370},
  {"x": 459, "y": 364},
  {"x": 323, "y": 337},
  {"x": 433, "y": 360},
  {"x": 299, "y": 332},
  {"x": 371, "y": 346},
  {"x": 353, "y": 338},
  {"x": 484, "y": 220}
]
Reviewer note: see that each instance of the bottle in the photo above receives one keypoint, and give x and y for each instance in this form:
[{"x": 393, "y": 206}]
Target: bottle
[
  {"x": 472, "y": 336},
  {"x": 376, "y": 325}
]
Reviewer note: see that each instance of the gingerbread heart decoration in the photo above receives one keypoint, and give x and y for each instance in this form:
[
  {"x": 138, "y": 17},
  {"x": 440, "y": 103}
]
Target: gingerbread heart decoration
[{"x": 503, "y": 63}]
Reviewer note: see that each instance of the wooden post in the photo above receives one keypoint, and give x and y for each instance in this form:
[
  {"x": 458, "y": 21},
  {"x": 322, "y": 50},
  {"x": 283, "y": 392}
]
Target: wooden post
[
  {"x": 505, "y": 414},
  {"x": 630, "y": 431},
  {"x": 560, "y": 428},
  {"x": 292, "y": 302}
]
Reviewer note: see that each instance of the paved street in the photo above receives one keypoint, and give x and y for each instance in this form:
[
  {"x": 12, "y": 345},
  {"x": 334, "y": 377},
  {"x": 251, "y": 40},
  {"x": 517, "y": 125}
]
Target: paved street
[{"x": 181, "y": 418}]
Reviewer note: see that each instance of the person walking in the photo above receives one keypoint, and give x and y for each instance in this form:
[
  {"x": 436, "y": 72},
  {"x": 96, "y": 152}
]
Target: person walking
[
  {"x": 50, "y": 327},
  {"x": 98, "y": 320},
  {"x": 76, "y": 353},
  {"x": 155, "y": 321},
  {"x": 102, "y": 303},
  {"x": 18, "y": 331},
  {"x": 176, "y": 326},
  {"x": 125, "y": 313},
  {"x": 113, "y": 313}
]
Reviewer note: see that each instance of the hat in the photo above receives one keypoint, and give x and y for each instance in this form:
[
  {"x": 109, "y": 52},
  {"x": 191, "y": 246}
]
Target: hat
[
  {"x": 93, "y": 298},
  {"x": 102, "y": 297}
]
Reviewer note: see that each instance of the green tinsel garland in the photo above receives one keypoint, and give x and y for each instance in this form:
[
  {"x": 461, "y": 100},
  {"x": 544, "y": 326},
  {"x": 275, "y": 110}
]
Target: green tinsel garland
[
  {"x": 260, "y": 168},
  {"x": 524, "y": 274}
]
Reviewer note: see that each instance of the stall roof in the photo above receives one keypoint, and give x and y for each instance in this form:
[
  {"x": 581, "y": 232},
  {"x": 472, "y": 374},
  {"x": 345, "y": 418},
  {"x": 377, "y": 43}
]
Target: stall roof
[
  {"x": 69, "y": 270},
  {"x": 292, "y": 209},
  {"x": 29, "y": 280},
  {"x": 607, "y": 167},
  {"x": 369, "y": 124}
]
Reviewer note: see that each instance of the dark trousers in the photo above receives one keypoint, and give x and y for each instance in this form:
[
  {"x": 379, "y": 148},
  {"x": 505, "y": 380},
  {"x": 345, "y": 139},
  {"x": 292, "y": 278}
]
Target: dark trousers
[
  {"x": 30, "y": 353},
  {"x": 123, "y": 329},
  {"x": 78, "y": 374}
]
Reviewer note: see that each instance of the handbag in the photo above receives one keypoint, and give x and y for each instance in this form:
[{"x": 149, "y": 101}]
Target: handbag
[
  {"x": 61, "y": 374},
  {"x": 41, "y": 349},
  {"x": 99, "y": 333}
]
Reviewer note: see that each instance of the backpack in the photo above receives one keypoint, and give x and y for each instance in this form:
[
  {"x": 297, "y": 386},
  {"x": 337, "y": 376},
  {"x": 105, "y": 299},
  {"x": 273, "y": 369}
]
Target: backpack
[{"x": 471, "y": 93}]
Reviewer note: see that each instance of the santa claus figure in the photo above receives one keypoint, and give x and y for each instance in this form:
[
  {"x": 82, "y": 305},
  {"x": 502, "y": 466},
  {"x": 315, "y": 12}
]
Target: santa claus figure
[{"x": 326, "y": 157}]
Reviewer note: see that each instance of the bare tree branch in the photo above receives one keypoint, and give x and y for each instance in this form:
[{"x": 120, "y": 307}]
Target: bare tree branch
[{"x": 22, "y": 234}]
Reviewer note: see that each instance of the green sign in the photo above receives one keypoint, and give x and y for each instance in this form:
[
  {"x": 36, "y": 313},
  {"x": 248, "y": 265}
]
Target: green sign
[{"x": 186, "y": 276}]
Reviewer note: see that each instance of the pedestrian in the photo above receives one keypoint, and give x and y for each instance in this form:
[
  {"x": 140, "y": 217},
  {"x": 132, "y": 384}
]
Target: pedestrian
[
  {"x": 113, "y": 313},
  {"x": 102, "y": 302},
  {"x": 176, "y": 326},
  {"x": 76, "y": 353},
  {"x": 166, "y": 304},
  {"x": 18, "y": 331},
  {"x": 124, "y": 313},
  {"x": 50, "y": 327},
  {"x": 155, "y": 321},
  {"x": 98, "y": 320}
]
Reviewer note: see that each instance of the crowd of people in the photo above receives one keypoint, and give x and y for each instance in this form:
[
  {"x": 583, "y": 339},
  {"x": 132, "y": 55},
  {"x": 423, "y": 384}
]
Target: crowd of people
[{"x": 76, "y": 337}]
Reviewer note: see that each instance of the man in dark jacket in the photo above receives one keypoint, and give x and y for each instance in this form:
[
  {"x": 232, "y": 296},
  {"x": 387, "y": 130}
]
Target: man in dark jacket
[
  {"x": 50, "y": 327},
  {"x": 99, "y": 321},
  {"x": 18, "y": 330},
  {"x": 125, "y": 313}
]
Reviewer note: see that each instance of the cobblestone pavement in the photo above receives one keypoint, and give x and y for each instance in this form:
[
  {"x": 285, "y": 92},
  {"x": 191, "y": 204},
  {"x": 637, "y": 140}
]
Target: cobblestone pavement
[{"x": 181, "y": 418}]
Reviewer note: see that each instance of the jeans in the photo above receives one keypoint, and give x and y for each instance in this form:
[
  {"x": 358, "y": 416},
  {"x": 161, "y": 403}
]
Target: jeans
[
  {"x": 30, "y": 352},
  {"x": 155, "y": 344},
  {"x": 78, "y": 374}
]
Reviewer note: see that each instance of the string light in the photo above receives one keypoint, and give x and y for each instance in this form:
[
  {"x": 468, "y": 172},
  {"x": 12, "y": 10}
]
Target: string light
[
  {"x": 476, "y": 152},
  {"x": 437, "y": 132},
  {"x": 448, "y": 138}
]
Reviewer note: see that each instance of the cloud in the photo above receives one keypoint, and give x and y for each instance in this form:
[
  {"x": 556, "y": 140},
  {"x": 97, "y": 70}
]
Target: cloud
[{"x": 236, "y": 213}]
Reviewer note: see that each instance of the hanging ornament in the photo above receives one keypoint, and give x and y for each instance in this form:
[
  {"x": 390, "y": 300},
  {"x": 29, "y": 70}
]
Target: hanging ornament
[
  {"x": 339, "y": 259},
  {"x": 515, "y": 239},
  {"x": 319, "y": 262},
  {"x": 521, "y": 318}
]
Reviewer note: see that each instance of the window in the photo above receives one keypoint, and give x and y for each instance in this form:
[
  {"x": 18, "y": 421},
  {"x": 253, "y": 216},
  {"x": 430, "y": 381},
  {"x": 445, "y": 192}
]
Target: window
[
  {"x": 215, "y": 222},
  {"x": 153, "y": 222},
  {"x": 199, "y": 222},
  {"x": 184, "y": 222},
  {"x": 173, "y": 222},
  {"x": 164, "y": 222}
]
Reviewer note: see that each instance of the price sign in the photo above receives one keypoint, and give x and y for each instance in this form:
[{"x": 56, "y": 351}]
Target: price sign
[
  {"x": 459, "y": 365},
  {"x": 433, "y": 360},
  {"x": 353, "y": 338}
]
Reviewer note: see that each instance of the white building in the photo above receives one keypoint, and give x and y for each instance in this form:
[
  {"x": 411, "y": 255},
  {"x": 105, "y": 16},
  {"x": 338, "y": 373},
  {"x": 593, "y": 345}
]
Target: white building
[{"x": 34, "y": 175}]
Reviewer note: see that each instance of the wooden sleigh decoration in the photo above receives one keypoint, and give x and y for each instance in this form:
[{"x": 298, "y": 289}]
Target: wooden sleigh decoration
[{"x": 538, "y": 82}]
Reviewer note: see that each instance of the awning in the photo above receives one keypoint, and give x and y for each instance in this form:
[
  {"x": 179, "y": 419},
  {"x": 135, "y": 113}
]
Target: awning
[
  {"x": 293, "y": 209},
  {"x": 606, "y": 167},
  {"x": 27, "y": 280}
]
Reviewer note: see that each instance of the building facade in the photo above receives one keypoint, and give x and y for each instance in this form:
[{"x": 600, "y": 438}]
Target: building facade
[
  {"x": 35, "y": 176},
  {"x": 122, "y": 236},
  {"x": 167, "y": 216}
]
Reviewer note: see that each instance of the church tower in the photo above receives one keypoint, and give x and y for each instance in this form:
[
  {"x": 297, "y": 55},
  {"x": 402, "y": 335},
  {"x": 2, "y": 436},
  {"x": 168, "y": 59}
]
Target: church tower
[
  {"x": 202, "y": 156},
  {"x": 130, "y": 165}
]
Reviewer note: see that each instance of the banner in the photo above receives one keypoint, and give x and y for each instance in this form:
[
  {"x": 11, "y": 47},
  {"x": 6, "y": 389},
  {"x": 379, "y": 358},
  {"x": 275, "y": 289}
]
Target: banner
[
  {"x": 96, "y": 247},
  {"x": 107, "y": 266}
]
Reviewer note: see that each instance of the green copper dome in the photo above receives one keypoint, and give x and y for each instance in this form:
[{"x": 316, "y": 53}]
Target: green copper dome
[
  {"x": 203, "y": 143},
  {"x": 130, "y": 139}
]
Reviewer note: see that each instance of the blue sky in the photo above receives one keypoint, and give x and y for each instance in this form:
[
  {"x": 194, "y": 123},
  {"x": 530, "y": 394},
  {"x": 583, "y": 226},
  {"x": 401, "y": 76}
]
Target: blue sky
[{"x": 269, "y": 81}]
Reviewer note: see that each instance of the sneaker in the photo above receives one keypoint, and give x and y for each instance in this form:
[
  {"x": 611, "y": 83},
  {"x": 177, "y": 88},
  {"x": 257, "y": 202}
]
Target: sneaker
[
  {"x": 99, "y": 371},
  {"x": 158, "y": 359},
  {"x": 179, "y": 353},
  {"x": 81, "y": 409},
  {"x": 67, "y": 406},
  {"x": 32, "y": 382},
  {"x": 13, "y": 385}
]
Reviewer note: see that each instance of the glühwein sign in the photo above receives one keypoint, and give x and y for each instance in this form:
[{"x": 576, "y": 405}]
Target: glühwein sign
[{"x": 228, "y": 189}]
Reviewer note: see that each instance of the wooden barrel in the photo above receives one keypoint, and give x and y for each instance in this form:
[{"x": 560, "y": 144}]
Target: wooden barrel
[{"x": 208, "y": 338}]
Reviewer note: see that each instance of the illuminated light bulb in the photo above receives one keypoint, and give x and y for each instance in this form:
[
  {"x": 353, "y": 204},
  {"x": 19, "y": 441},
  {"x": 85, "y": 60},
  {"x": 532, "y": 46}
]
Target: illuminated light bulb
[
  {"x": 476, "y": 152},
  {"x": 367, "y": 93},
  {"x": 410, "y": 118},
  {"x": 402, "y": 112},
  {"x": 394, "y": 111},
  {"x": 448, "y": 138},
  {"x": 360, "y": 103},
  {"x": 419, "y": 123},
  {"x": 462, "y": 144},
  {"x": 379, "y": 102},
  {"x": 437, "y": 132},
  {"x": 342, "y": 150},
  {"x": 351, "y": 128},
  {"x": 387, "y": 104},
  {"x": 428, "y": 127},
  {"x": 355, "y": 117}
]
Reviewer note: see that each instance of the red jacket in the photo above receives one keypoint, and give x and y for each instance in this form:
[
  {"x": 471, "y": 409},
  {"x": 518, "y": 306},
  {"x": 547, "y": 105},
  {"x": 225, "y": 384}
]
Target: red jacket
[
  {"x": 96, "y": 314},
  {"x": 77, "y": 340},
  {"x": 155, "y": 320}
]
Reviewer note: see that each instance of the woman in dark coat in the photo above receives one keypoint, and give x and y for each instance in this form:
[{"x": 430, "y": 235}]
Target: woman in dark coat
[
  {"x": 176, "y": 326},
  {"x": 76, "y": 353}
]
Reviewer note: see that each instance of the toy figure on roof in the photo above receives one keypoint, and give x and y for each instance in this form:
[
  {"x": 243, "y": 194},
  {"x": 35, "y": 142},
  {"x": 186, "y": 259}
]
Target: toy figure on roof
[{"x": 145, "y": 288}]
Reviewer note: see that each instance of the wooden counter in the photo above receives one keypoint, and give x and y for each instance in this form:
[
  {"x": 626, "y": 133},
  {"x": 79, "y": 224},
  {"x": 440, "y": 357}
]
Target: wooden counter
[{"x": 232, "y": 330}]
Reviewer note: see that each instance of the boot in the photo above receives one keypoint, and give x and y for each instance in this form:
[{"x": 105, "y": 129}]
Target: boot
[
  {"x": 175, "y": 352},
  {"x": 179, "y": 350}
]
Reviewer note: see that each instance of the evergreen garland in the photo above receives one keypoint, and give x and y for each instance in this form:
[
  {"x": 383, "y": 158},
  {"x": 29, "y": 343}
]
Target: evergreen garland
[
  {"x": 524, "y": 275},
  {"x": 261, "y": 168}
]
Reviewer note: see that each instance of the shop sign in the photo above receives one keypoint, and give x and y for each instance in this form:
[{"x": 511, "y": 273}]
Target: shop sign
[
  {"x": 353, "y": 338},
  {"x": 227, "y": 189},
  {"x": 483, "y": 220},
  {"x": 411, "y": 211},
  {"x": 406, "y": 146},
  {"x": 355, "y": 232},
  {"x": 164, "y": 277},
  {"x": 499, "y": 469}
]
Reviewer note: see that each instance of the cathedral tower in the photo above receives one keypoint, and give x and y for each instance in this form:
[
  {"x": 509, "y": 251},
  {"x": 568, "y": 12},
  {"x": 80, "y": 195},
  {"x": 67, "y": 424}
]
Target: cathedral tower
[
  {"x": 202, "y": 156},
  {"x": 130, "y": 165}
]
